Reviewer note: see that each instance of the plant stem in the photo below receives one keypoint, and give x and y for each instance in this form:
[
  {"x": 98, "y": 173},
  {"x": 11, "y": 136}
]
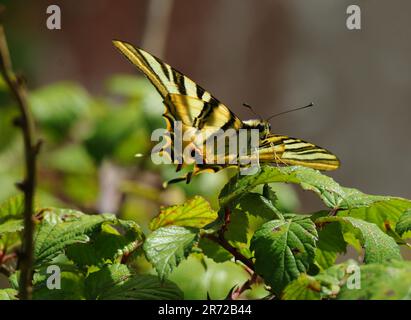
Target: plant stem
[
  {"x": 246, "y": 285},
  {"x": 249, "y": 265},
  {"x": 237, "y": 255},
  {"x": 31, "y": 148},
  {"x": 222, "y": 241}
]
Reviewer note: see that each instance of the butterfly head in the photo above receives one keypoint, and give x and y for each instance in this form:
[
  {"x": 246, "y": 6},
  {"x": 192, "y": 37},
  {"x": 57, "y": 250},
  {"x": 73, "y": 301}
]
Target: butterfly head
[{"x": 264, "y": 127}]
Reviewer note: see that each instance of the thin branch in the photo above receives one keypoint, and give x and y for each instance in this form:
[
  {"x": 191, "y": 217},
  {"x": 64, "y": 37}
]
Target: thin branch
[
  {"x": 237, "y": 255},
  {"x": 31, "y": 149},
  {"x": 222, "y": 241},
  {"x": 246, "y": 285},
  {"x": 248, "y": 263}
]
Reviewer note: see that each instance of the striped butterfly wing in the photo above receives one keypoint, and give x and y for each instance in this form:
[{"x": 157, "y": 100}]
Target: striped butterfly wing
[
  {"x": 184, "y": 100},
  {"x": 290, "y": 151}
]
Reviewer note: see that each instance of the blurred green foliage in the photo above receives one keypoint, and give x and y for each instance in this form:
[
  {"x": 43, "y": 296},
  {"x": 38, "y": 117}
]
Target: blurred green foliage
[
  {"x": 88, "y": 163},
  {"x": 84, "y": 135},
  {"x": 81, "y": 132}
]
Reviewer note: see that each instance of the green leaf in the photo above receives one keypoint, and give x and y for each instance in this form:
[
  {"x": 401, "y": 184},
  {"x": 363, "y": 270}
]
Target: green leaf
[
  {"x": 378, "y": 246},
  {"x": 404, "y": 223},
  {"x": 70, "y": 159},
  {"x": 62, "y": 261},
  {"x": 11, "y": 226},
  {"x": 166, "y": 247},
  {"x": 326, "y": 284},
  {"x": 269, "y": 194},
  {"x": 330, "y": 238},
  {"x": 11, "y": 212},
  {"x": 388, "y": 281},
  {"x": 237, "y": 228},
  {"x": 9, "y": 241},
  {"x": 195, "y": 213},
  {"x": 330, "y": 243},
  {"x": 58, "y": 106},
  {"x": 330, "y": 192},
  {"x": 8, "y": 294},
  {"x": 258, "y": 205},
  {"x": 58, "y": 215},
  {"x": 325, "y": 259},
  {"x": 384, "y": 213},
  {"x": 71, "y": 280},
  {"x": 200, "y": 279},
  {"x": 283, "y": 250},
  {"x": 12, "y": 208},
  {"x": 214, "y": 251},
  {"x": 304, "y": 287},
  {"x": 111, "y": 129},
  {"x": 72, "y": 287},
  {"x": 51, "y": 239},
  {"x": 107, "y": 246},
  {"x": 117, "y": 282}
]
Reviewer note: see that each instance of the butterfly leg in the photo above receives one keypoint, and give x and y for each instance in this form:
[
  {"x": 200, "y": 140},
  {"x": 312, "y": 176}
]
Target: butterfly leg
[
  {"x": 276, "y": 157},
  {"x": 275, "y": 154},
  {"x": 238, "y": 172},
  {"x": 172, "y": 181},
  {"x": 186, "y": 178}
]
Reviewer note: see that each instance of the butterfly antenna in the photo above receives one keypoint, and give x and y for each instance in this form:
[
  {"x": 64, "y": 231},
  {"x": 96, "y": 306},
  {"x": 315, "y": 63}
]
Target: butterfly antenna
[
  {"x": 296, "y": 109},
  {"x": 251, "y": 109}
]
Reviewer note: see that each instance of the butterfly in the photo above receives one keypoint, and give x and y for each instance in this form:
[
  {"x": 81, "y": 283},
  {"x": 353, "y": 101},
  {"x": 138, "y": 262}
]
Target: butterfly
[{"x": 196, "y": 108}]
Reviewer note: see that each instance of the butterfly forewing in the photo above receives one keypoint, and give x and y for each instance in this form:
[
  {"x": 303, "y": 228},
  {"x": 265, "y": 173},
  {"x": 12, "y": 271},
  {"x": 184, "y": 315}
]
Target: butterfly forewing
[
  {"x": 181, "y": 95},
  {"x": 184, "y": 100}
]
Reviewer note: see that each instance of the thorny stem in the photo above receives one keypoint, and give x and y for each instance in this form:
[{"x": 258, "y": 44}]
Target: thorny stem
[
  {"x": 248, "y": 263},
  {"x": 237, "y": 255},
  {"x": 246, "y": 285},
  {"x": 31, "y": 149}
]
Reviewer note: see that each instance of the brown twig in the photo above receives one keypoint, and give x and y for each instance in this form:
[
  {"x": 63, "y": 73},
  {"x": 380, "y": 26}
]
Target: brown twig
[
  {"x": 237, "y": 255},
  {"x": 31, "y": 149},
  {"x": 222, "y": 241},
  {"x": 248, "y": 263},
  {"x": 246, "y": 285}
]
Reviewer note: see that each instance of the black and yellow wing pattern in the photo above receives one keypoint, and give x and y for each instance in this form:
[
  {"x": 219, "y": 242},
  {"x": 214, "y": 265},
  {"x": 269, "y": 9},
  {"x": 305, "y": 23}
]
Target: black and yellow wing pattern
[
  {"x": 184, "y": 100},
  {"x": 291, "y": 151},
  {"x": 194, "y": 107}
]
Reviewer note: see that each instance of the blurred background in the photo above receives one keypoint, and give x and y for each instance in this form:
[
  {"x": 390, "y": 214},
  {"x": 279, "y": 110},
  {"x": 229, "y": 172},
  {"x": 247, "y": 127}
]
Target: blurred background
[{"x": 95, "y": 111}]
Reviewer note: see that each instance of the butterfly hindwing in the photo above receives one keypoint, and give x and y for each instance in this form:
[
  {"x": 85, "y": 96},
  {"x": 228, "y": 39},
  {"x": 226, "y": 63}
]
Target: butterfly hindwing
[{"x": 285, "y": 150}]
